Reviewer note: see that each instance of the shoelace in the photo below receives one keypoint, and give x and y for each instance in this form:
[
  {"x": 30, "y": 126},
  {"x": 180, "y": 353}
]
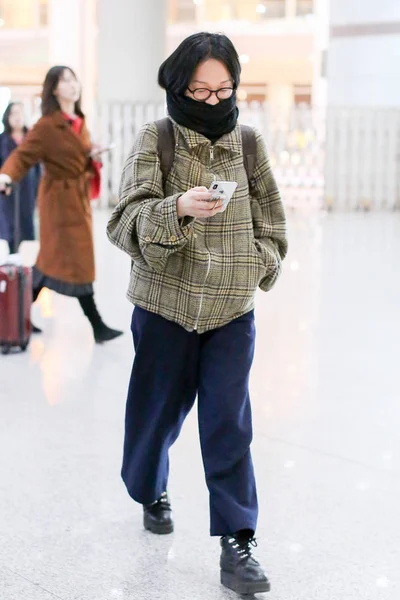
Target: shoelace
[
  {"x": 243, "y": 547},
  {"x": 162, "y": 503}
]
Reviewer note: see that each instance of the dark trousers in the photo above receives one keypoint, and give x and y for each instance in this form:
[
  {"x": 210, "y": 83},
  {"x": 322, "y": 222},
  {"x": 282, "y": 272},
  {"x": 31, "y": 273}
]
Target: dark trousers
[
  {"x": 171, "y": 367},
  {"x": 7, "y": 218}
]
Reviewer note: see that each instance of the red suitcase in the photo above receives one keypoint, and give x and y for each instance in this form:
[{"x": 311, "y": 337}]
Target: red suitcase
[
  {"x": 15, "y": 298},
  {"x": 15, "y": 307}
]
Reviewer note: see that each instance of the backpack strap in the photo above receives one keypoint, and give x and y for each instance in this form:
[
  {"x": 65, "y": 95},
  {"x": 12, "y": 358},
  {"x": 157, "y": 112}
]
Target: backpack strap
[
  {"x": 165, "y": 145},
  {"x": 249, "y": 144}
]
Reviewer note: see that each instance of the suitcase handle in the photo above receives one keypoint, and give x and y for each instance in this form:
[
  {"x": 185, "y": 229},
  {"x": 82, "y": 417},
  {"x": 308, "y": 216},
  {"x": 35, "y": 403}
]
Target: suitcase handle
[
  {"x": 14, "y": 187},
  {"x": 17, "y": 215}
]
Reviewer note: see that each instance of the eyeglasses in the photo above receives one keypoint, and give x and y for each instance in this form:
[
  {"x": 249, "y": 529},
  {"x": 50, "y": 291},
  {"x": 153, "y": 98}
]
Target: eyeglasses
[{"x": 203, "y": 94}]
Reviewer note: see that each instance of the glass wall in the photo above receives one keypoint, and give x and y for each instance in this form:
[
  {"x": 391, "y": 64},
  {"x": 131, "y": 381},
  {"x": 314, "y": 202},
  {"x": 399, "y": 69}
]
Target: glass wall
[
  {"x": 253, "y": 11},
  {"x": 189, "y": 11},
  {"x": 304, "y": 7},
  {"x": 23, "y": 14}
]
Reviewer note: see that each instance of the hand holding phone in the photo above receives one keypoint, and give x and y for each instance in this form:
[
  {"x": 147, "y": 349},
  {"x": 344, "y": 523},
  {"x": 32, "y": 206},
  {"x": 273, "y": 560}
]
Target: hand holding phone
[
  {"x": 196, "y": 202},
  {"x": 203, "y": 203},
  {"x": 224, "y": 190}
]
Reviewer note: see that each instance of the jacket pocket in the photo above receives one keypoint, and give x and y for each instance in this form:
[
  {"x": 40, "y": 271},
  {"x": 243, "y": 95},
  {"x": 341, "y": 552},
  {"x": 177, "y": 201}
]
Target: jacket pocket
[
  {"x": 270, "y": 265},
  {"x": 156, "y": 256}
]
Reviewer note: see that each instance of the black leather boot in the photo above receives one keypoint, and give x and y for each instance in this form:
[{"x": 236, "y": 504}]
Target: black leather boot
[
  {"x": 102, "y": 333},
  {"x": 240, "y": 571},
  {"x": 157, "y": 517}
]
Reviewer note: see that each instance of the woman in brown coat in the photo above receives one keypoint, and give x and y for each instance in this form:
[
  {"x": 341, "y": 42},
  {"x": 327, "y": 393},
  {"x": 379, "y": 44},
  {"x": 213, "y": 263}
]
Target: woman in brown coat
[{"x": 61, "y": 142}]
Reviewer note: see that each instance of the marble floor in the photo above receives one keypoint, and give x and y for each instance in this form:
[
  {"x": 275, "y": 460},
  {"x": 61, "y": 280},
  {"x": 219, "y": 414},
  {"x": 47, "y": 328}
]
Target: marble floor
[{"x": 326, "y": 404}]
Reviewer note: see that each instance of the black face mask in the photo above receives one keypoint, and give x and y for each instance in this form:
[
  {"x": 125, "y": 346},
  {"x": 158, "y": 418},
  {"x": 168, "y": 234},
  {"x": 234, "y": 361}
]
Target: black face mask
[{"x": 211, "y": 120}]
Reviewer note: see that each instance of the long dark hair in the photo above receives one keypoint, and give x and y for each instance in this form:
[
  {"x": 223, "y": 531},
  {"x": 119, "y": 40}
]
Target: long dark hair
[
  {"x": 176, "y": 72},
  {"x": 6, "y": 118},
  {"x": 50, "y": 103}
]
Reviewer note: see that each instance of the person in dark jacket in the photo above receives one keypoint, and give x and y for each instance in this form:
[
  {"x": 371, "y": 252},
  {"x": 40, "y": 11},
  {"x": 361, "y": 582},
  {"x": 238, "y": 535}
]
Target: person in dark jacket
[{"x": 14, "y": 133}]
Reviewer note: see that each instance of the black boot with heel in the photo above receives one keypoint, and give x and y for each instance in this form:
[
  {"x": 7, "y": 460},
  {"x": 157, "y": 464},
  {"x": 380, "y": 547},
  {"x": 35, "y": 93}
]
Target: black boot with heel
[{"x": 102, "y": 333}]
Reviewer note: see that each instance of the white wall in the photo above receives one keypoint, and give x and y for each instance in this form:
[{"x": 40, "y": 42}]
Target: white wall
[
  {"x": 363, "y": 69},
  {"x": 364, "y": 11}
]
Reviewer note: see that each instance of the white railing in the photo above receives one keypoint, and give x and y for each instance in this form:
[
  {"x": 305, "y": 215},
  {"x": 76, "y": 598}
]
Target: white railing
[
  {"x": 295, "y": 141},
  {"x": 363, "y": 159},
  {"x": 119, "y": 124},
  {"x": 340, "y": 159}
]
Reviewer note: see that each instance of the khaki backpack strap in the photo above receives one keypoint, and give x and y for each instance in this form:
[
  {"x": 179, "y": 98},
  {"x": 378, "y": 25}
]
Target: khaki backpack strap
[
  {"x": 165, "y": 145},
  {"x": 249, "y": 144}
]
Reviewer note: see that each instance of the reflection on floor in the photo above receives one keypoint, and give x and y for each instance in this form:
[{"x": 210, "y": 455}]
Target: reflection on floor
[{"x": 326, "y": 398}]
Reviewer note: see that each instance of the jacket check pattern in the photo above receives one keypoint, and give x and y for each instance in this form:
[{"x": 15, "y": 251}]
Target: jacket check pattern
[{"x": 199, "y": 273}]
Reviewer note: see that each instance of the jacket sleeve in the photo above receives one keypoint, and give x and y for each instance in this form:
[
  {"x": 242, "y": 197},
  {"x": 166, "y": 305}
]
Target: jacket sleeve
[
  {"x": 145, "y": 223},
  {"x": 269, "y": 222},
  {"x": 27, "y": 154}
]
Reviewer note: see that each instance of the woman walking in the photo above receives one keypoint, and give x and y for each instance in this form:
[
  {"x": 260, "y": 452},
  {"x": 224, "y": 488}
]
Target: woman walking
[
  {"x": 13, "y": 135},
  {"x": 61, "y": 142},
  {"x": 196, "y": 266}
]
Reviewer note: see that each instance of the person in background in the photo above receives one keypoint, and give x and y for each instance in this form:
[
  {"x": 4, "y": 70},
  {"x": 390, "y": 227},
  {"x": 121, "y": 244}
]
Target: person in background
[
  {"x": 13, "y": 135},
  {"x": 61, "y": 142},
  {"x": 195, "y": 271}
]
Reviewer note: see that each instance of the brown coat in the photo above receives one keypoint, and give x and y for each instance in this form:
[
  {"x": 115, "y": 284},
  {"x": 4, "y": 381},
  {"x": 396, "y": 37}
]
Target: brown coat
[{"x": 66, "y": 240}]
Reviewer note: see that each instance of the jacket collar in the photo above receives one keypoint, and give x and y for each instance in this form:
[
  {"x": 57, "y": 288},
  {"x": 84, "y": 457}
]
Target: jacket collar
[
  {"x": 232, "y": 142},
  {"x": 59, "y": 120}
]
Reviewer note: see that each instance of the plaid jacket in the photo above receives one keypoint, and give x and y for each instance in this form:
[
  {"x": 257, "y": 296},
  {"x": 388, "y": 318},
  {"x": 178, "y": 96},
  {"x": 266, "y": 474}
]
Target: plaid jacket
[{"x": 200, "y": 273}]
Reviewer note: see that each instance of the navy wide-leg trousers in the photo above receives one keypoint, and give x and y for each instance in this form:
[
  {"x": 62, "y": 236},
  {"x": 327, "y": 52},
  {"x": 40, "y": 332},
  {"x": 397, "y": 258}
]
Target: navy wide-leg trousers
[{"x": 171, "y": 367}]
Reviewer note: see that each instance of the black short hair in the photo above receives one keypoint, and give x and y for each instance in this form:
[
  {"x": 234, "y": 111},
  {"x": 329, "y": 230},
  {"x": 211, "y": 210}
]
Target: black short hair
[{"x": 176, "y": 72}]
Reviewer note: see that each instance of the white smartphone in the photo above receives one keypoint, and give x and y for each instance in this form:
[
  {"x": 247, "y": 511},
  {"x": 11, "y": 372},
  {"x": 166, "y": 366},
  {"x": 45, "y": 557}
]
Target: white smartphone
[{"x": 223, "y": 188}]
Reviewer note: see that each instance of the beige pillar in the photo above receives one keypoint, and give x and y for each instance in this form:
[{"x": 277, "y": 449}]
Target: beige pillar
[
  {"x": 131, "y": 47},
  {"x": 72, "y": 42},
  {"x": 290, "y": 9}
]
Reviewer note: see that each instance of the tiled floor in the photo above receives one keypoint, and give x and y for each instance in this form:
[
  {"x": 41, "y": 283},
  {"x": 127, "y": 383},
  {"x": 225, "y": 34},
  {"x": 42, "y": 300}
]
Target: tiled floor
[{"x": 326, "y": 404}]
